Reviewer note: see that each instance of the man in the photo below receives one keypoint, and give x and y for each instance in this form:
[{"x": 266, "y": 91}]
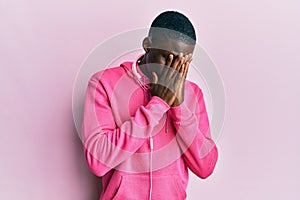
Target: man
[{"x": 144, "y": 124}]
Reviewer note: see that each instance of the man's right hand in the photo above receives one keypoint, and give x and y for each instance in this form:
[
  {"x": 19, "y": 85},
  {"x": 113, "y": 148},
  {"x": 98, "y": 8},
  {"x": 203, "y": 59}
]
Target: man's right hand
[{"x": 168, "y": 85}]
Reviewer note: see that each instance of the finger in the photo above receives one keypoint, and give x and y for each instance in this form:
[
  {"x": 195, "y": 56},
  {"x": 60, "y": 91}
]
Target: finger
[
  {"x": 181, "y": 73},
  {"x": 182, "y": 69},
  {"x": 178, "y": 61},
  {"x": 170, "y": 74},
  {"x": 187, "y": 64},
  {"x": 169, "y": 60},
  {"x": 191, "y": 57},
  {"x": 155, "y": 78},
  {"x": 165, "y": 69},
  {"x": 176, "y": 65},
  {"x": 188, "y": 57},
  {"x": 179, "y": 76}
]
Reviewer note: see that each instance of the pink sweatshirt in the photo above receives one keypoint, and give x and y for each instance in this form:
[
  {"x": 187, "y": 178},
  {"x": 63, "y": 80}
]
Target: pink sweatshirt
[{"x": 140, "y": 146}]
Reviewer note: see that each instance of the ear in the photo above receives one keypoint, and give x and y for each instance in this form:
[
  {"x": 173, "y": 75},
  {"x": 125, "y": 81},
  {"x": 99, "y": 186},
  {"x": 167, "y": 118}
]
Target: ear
[{"x": 147, "y": 44}]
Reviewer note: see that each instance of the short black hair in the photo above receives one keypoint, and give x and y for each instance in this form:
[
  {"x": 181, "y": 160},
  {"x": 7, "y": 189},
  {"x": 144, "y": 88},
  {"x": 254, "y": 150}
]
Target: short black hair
[{"x": 174, "y": 25}]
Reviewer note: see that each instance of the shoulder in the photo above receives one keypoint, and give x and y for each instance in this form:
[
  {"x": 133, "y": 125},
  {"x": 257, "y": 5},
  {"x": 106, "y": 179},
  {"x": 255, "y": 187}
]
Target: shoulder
[
  {"x": 112, "y": 73},
  {"x": 189, "y": 85}
]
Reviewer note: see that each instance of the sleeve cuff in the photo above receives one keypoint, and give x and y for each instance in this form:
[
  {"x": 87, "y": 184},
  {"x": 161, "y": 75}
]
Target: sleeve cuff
[
  {"x": 158, "y": 100},
  {"x": 181, "y": 112}
]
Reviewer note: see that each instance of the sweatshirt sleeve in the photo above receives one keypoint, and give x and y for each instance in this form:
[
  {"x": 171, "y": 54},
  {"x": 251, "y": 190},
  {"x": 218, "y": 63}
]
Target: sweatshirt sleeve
[
  {"x": 193, "y": 135},
  {"x": 105, "y": 144}
]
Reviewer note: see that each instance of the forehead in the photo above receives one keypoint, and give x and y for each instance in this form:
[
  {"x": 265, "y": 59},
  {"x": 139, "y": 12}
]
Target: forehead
[{"x": 167, "y": 46}]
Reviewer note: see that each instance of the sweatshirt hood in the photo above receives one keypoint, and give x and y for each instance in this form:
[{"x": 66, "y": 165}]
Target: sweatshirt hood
[{"x": 140, "y": 77}]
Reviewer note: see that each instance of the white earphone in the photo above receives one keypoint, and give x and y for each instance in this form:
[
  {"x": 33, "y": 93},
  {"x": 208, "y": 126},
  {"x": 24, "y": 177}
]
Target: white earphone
[{"x": 134, "y": 70}]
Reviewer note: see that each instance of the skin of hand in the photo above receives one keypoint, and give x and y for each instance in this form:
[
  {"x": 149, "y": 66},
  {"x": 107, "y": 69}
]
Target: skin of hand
[{"x": 169, "y": 86}]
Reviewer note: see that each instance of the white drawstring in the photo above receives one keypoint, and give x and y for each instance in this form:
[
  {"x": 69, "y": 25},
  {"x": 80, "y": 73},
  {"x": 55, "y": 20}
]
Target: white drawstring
[
  {"x": 151, "y": 152},
  {"x": 141, "y": 81}
]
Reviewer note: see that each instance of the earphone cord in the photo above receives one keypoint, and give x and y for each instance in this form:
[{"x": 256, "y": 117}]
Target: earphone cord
[{"x": 145, "y": 86}]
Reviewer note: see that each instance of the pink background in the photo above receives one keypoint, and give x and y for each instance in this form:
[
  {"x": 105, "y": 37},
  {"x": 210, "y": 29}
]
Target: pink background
[{"x": 254, "y": 43}]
